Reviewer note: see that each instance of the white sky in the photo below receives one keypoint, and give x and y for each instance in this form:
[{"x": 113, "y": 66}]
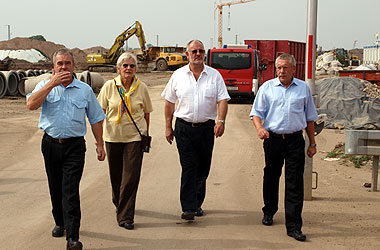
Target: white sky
[{"x": 88, "y": 23}]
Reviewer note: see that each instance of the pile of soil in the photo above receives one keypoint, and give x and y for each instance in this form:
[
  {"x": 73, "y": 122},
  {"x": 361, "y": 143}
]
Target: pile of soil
[{"x": 46, "y": 47}]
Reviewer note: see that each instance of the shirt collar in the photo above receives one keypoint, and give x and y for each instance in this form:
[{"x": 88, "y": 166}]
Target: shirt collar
[
  {"x": 205, "y": 69},
  {"x": 75, "y": 83},
  {"x": 278, "y": 82}
]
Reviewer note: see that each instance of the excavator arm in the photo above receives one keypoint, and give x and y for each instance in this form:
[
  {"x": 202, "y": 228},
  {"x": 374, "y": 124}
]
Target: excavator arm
[{"x": 135, "y": 29}]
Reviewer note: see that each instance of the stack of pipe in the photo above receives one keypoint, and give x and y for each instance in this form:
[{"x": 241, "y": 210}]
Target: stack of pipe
[{"x": 23, "y": 82}]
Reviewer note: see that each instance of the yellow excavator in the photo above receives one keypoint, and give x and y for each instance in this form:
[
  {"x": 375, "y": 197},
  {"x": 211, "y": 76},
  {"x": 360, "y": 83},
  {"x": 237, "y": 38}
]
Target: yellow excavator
[
  {"x": 109, "y": 59},
  {"x": 160, "y": 58}
]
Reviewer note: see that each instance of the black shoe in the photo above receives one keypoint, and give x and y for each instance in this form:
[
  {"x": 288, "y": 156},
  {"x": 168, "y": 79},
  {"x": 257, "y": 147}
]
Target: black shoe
[
  {"x": 188, "y": 215},
  {"x": 267, "y": 220},
  {"x": 297, "y": 234},
  {"x": 58, "y": 231},
  {"x": 74, "y": 244},
  {"x": 128, "y": 225},
  {"x": 199, "y": 211}
]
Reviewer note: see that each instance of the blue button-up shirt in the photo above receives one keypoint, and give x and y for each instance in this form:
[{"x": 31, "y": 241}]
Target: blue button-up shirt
[
  {"x": 64, "y": 111},
  {"x": 284, "y": 110}
]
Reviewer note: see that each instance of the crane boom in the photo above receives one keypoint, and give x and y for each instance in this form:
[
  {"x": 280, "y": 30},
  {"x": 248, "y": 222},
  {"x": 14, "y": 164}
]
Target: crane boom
[{"x": 220, "y": 16}]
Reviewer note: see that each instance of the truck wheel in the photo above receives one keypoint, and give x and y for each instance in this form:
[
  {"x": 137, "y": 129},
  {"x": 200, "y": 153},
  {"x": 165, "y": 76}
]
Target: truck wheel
[{"x": 161, "y": 65}]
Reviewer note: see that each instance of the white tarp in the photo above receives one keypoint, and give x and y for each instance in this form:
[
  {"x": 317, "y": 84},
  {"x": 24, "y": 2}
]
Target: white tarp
[{"x": 30, "y": 55}]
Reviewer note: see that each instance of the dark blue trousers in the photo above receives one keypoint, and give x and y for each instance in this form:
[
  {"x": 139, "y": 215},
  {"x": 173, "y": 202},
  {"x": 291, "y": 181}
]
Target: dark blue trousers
[
  {"x": 195, "y": 145},
  {"x": 64, "y": 167},
  {"x": 291, "y": 151}
]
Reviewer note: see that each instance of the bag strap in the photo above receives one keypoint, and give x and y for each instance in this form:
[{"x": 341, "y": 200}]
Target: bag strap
[{"x": 125, "y": 105}]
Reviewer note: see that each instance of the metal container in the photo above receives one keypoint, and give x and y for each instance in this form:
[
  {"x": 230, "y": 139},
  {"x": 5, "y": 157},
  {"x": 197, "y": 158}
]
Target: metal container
[
  {"x": 365, "y": 142},
  {"x": 269, "y": 50},
  {"x": 371, "y": 54}
]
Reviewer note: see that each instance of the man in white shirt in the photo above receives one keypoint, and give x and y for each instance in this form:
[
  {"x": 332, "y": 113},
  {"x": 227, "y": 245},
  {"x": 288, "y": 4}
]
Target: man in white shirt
[{"x": 202, "y": 96}]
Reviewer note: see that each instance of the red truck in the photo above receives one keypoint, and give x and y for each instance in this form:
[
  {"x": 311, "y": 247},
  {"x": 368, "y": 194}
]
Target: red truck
[
  {"x": 239, "y": 67},
  {"x": 245, "y": 67}
]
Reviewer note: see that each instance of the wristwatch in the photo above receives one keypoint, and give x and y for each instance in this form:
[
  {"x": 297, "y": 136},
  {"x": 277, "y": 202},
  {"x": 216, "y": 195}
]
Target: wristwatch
[
  {"x": 222, "y": 121},
  {"x": 313, "y": 145}
]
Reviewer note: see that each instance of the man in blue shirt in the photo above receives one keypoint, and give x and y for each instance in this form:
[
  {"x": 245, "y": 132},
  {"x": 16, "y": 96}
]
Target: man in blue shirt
[
  {"x": 282, "y": 108},
  {"x": 65, "y": 103}
]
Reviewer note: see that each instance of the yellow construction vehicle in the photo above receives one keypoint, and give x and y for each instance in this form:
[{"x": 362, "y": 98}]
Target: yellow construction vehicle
[
  {"x": 109, "y": 59},
  {"x": 160, "y": 58},
  {"x": 165, "y": 57}
]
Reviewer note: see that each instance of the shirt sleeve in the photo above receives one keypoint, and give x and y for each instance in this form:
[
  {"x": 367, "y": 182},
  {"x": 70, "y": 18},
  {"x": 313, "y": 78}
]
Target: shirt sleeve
[
  {"x": 147, "y": 102},
  {"x": 38, "y": 87},
  {"x": 310, "y": 110},
  {"x": 95, "y": 112},
  {"x": 260, "y": 104},
  {"x": 169, "y": 92},
  {"x": 103, "y": 96},
  {"x": 222, "y": 89}
]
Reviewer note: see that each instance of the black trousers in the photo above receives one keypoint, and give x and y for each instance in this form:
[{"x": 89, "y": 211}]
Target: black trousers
[
  {"x": 290, "y": 150},
  {"x": 124, "y": 161},
  {"x": 64, "y": 167},
  {"x": 195, "y": 145}
]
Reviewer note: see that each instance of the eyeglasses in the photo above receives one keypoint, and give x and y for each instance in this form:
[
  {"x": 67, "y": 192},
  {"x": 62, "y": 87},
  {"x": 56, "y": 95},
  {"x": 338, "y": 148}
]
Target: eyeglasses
[
  {"x": 195, "y": 51},
  {"x": 125, "y": 65}
]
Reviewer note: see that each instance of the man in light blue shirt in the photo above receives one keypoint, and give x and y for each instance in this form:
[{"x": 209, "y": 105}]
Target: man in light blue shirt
[
  {"x": 282, "y": 108},
  {"x": 65, "y": 103}
]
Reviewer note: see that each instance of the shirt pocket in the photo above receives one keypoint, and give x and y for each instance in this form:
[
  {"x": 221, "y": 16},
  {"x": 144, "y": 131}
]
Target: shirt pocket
[
  {"x": 210, "y": 91},
  {"x": 53, "y": 101},
  {"x": 297, "y": 105},
  {"x": 79, "y": 110}
]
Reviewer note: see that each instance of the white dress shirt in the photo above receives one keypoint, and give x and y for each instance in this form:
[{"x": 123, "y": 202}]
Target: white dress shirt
[{"x": 197, "y": 100}]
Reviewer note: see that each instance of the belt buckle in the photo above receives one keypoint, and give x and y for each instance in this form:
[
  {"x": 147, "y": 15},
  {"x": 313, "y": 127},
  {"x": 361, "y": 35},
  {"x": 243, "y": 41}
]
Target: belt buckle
[
  {"x": 60, "y": 141},
  {"x": 194, "y": 125},
  {"x": 283, "y": 136}
]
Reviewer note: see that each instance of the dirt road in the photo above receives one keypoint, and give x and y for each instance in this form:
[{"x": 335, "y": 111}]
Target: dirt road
[{"x": 342, "y": 215}]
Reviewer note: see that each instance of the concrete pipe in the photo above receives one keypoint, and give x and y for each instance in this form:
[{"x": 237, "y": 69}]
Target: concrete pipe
[
  {"x": 21, "y": 86},
  {"x": 11, "y": 78},
  {"x": 97, "y": 80},
  {"x": 42, "y": 71},
  {"x": 31, "y": 82},
  {"x": 86, "y": 76},
  {"x": 37, "y": 72},
  {"x": 30, "y": 73},
  {"x": 3, "y": 85},
  {"x": 21, "y": 74},
  {"x": 78, "y": 76}
]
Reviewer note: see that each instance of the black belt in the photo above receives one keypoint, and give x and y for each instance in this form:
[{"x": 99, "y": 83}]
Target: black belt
[
  {"x": 62, "y": 140},
  {"x": 199, "y": 124},
  {"x": 284, "y": 136}
]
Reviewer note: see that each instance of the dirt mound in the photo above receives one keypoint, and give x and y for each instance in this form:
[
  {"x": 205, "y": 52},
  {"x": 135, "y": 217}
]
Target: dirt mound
[{"x": 47, "y": 48}]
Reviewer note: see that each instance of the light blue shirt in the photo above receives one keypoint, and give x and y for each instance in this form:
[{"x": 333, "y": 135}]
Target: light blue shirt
[
  {"x": 64, "y": 111},
  {"x": 284, "y": 110}
]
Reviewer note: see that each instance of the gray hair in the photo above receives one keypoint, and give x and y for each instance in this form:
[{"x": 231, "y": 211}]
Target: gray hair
[
  {"x": 126, "y": 55},
  {"x": 189, "y": 43},
  {"x": 288, "y": 57},
  {"x": 63, "y": 51}
]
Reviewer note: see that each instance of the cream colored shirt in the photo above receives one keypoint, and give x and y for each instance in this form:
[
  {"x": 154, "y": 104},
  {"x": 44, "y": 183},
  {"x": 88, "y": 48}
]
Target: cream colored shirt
[{"x": 124, "y": 131}]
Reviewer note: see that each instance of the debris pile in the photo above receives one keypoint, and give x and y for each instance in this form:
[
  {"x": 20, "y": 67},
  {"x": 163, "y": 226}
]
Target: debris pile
[
  {"x": 349, "y": 103},
  {"x": 327, "y": 63},
  {"x": 371, "y": 89}
]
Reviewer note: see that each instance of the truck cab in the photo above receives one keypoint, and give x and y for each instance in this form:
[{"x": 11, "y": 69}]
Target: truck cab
[{"x": 239, "y": 67}]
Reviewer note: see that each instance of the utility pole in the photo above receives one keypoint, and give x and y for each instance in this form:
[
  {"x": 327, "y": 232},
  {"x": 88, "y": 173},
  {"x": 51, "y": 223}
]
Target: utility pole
[
  {"x": 157, "y": 40},
  {"x": 236, "y": 42},
  {"x": 219, "y": 7},
  {"x": 310, "y": 79},
  {"x": 9, "y": 31}
]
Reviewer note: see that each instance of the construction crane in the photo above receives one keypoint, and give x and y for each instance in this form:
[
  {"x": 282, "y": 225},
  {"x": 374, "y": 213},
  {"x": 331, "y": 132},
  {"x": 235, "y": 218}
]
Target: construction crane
[{"x": 219, "y": 7}]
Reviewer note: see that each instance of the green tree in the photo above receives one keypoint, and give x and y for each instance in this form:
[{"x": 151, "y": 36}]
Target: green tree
[{"x": 38, "y": 37}]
